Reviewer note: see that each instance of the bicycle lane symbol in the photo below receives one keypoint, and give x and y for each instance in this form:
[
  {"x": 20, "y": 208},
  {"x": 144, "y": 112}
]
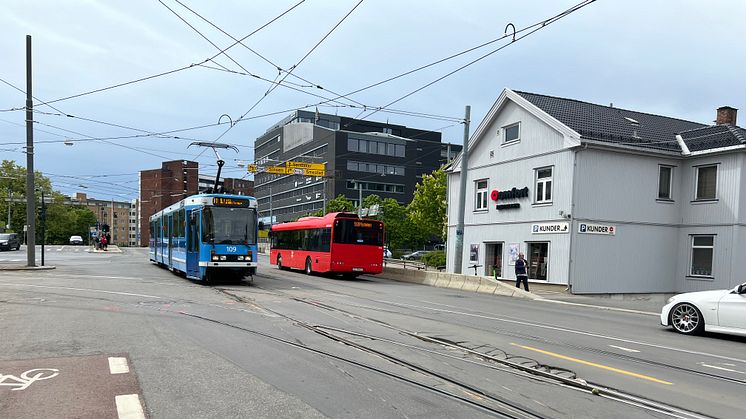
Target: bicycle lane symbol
[{"x": 27, "y": 378}]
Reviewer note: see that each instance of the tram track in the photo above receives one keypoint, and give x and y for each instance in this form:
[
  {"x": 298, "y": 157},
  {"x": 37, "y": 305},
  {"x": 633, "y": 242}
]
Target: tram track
[{"x": 558, "y": 375}]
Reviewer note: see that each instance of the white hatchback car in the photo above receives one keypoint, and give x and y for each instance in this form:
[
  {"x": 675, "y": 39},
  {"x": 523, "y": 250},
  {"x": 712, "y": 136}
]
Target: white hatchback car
[{"x": 721, "y": 311}]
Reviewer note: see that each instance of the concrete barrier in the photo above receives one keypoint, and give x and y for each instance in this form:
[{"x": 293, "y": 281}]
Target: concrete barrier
[{"x": 469, "y": 283}]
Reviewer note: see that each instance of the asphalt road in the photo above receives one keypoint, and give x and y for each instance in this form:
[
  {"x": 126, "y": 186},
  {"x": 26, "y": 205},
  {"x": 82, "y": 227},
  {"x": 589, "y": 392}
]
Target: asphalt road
[{"x": 291, "y": 345}]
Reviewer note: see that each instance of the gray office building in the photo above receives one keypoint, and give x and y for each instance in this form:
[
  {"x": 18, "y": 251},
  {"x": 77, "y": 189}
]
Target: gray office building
[{"x": 380, "y": 158}]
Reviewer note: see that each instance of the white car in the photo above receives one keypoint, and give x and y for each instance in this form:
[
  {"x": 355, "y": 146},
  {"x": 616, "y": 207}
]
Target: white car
[
  {"x": 386, "y": 253},
  {"x": 721, "y": 311},
  {"x": 76, "y": 240}
]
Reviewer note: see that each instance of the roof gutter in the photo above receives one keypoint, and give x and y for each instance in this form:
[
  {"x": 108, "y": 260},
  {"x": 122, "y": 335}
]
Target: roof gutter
[{"x": 684, "y": 149}]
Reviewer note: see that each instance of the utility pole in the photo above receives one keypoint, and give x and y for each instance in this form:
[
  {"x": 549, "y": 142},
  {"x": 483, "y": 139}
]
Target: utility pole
[
  {"x": 43, "y": 219},
  {"x": 458, "y": 260},
  {"x": 30, "y": 201},
  {"x": 270, "y": 206},
  {"x": 10, "y": 199}
]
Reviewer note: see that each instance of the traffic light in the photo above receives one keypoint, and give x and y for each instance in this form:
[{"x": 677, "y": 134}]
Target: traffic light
[{"x": 105, "y": 228}]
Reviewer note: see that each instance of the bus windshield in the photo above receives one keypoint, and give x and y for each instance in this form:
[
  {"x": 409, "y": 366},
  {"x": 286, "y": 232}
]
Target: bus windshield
[
  {"x": 358, "y": 232},
  {"x": 229, "y": 225}
]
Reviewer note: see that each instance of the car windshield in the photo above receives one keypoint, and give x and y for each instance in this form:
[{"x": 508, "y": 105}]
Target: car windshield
[
  {"x": 229, "y": 225},
  {"x": 4, "y": 236}
]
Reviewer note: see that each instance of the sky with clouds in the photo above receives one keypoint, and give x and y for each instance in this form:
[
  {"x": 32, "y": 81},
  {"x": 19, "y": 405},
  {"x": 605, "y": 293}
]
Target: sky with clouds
[{"x": 680, "y": 58}]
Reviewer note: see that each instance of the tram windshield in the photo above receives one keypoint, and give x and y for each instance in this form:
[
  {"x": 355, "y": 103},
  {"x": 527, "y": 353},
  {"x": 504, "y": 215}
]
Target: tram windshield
[{"x": 229, "y": 225}]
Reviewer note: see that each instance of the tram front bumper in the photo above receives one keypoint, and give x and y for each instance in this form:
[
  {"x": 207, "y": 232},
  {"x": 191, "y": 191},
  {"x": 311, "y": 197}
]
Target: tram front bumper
[{"x": 225, "y": 264}]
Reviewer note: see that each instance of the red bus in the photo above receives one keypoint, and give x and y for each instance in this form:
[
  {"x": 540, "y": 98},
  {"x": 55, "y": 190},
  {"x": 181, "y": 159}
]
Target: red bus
[{"x": 338, "y": 242}]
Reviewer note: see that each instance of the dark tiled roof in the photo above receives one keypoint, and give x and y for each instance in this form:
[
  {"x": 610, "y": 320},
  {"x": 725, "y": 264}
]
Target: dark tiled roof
[{"x": 637, "y": 129}]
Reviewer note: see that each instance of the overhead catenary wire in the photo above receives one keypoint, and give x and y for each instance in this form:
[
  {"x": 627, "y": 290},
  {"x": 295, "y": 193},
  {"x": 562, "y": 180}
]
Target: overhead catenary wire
[
  {"x": 288, "y": 72},
  {"x": 173, "y": 70}
]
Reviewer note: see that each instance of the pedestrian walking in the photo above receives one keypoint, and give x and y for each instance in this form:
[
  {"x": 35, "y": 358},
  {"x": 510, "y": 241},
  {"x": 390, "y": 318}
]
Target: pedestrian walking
[
  {"x": 104, "y": 242},
  {"x": 108, "y": 239},
  {"x": 520, "y": 272}
]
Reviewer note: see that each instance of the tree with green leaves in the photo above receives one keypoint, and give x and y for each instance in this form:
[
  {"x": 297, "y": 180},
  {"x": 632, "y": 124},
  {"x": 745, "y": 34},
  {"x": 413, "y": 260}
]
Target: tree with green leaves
[
  {"x": 13, "y": 185},
  {"x": 428, "y": 207}
]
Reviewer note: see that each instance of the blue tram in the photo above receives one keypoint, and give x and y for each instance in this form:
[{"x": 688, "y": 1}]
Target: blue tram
[{"x": 206, "y": 236}]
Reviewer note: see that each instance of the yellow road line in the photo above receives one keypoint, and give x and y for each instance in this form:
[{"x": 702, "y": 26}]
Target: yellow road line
[{"x": 603, "y": 367}]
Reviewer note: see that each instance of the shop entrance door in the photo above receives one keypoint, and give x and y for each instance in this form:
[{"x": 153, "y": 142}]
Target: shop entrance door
[
  {"x": 538, "y": 261},
  {"x": 493, "y": 259}
]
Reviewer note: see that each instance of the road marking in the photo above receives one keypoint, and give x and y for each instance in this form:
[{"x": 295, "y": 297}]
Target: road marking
[
  {"x": 593, "y": 364},
  {"x": 721, "y": 368},
  {"x": 129, "y": 407},
  {"x": 624, "y": 349},
  {"x": 22, "y": 382},
  {"x": 562, "y": 329},
  {"x": 83, "y": 289},
  {"x": 118, "y": 365}
]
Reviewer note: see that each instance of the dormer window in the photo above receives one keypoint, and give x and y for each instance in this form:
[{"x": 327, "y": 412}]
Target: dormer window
[{"x": 512, "y": 133}]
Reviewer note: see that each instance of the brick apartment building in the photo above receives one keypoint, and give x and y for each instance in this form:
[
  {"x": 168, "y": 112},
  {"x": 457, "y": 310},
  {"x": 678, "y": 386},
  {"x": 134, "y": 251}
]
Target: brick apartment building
[
  {"x": 114, "y": 213},
  {"x": 174, "y": 181}
]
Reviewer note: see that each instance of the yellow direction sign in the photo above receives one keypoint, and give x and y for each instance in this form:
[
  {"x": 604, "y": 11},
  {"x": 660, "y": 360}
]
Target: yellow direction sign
[
  {"x": 304, "y": 165},
  {"x": 278, "y": 170},
  {"x": 315, "y": 172},
  {"x": 252, "y": 168}
]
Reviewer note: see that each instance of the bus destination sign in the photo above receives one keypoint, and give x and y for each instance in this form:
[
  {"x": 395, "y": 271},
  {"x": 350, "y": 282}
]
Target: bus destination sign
[
  {"x": 363, "y": 224},
  {"x": 230, "y": 202}
]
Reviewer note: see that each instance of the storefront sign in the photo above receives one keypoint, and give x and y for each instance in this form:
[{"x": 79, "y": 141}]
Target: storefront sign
[
  {"x": 550, "y": 228},
  {"x": 514, "y": 193},
  {"x": 604, "y": 229},
  {"x": 474, "y": 253},
  {"x": 513, "y": 250}
]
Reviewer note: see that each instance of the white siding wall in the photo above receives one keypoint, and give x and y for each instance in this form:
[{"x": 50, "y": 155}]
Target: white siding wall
[{"x": 514, "y": 166}]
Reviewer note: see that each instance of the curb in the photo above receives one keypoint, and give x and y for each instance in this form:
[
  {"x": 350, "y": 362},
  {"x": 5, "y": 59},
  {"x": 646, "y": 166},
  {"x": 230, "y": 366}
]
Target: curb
[
  {"x": 26, "y": 268},
  {"x": 485, "y": 285}
]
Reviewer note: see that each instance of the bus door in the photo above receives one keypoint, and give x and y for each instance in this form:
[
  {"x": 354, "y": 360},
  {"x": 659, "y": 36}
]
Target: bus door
[
  {"x": 192, "y": 259},
  {"x": 169, "y": 223}
]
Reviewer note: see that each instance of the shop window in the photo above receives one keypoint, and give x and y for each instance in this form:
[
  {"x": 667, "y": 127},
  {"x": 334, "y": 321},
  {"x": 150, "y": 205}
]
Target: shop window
[
  {"x": 481, "y": 195},
  {"x": 665, "y": 181},
  {"x": 544, "y": 185},
  {"x": 702, "y": 254},
  {"x": 538, "y": 261},
  {"x": 512, "y": 133},
  {"x": 706, "y": 183}
]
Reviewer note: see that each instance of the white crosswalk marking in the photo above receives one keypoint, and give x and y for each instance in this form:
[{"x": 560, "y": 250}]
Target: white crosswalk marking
[
  {"x": 129, "y": 407},
  {"x": 118, "y": 365}
]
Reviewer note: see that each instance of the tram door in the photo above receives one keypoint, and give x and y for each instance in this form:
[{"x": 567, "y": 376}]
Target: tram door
[
  {"x": 170, "y": 229},
  {"x": 192, "y": 244}
]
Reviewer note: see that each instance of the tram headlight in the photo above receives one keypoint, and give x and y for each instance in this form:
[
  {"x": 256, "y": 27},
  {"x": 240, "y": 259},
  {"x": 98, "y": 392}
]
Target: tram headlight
[
  {"x": 223, "y": 257},
  {"x": 214, "y": 257},
  {"x": 239, "y": 257}
]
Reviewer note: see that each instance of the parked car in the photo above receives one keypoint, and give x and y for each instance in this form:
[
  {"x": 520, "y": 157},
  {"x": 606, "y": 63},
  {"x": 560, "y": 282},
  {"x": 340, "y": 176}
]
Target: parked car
[
  {"x": 721, "y": 311},
  {"x": 76, "y": 240},
  {"x": 9, "y": 241},
  {"x": 415, "y": 255},
  {"x": 386, "y": 253}
]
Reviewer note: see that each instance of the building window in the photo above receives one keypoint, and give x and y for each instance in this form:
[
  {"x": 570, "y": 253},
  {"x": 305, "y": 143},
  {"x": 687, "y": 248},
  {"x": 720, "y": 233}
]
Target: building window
[
  {"x": 481, "y": 195},
  {"x": 512, "y": 133},
  {"x": 387, "y": 131},
  {"x": 707, "y": 177},
  {"x": 665, "y": 181},
  {"x": 702, "y": 253},
  {"x": 544, "y": 185}
]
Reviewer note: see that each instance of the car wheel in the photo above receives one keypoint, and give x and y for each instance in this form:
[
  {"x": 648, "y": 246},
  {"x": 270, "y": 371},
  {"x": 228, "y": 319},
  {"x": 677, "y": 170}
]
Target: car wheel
[
  {"x": 687, "y": 319},
  {"x": 309, "y": 270}
]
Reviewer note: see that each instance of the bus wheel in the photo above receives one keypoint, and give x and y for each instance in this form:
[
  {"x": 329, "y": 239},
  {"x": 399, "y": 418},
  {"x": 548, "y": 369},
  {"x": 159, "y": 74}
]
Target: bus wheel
[
  {"x": 309, "y": 271},
  {"x": 279, "y": 262}
]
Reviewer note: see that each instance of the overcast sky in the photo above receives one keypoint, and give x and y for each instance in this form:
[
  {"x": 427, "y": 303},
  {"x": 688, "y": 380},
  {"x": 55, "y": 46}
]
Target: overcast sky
[{"x": 671, "y": 57}]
